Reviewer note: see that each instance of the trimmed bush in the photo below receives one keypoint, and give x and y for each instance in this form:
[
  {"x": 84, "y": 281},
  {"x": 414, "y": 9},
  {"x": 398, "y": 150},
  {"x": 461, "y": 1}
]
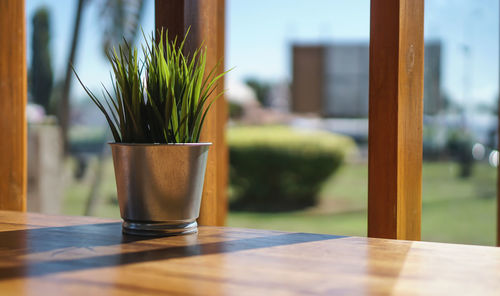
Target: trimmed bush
[{"x": 277, "y": 168}]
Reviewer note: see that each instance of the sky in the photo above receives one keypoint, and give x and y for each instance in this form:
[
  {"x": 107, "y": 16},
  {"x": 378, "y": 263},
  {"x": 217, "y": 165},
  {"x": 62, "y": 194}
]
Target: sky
[{"x": 260, "y": 33}]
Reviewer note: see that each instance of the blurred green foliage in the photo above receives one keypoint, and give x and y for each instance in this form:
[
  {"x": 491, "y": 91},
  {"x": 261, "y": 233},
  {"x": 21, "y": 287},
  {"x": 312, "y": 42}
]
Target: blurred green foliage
[
  {"x": 261, "y": 89},
  {"x": 276, "y": 168},
  {"x": 40, "y": 73},
  {"x": 235, "y": 110},
  {"x": 459, "y": 145}
]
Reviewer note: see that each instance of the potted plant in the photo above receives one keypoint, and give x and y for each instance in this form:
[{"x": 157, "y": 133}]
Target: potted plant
[{"x": 156, "y": 116}]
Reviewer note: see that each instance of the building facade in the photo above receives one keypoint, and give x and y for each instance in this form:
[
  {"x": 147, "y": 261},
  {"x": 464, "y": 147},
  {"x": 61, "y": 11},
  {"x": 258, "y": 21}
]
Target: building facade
[{"x": 333, "y": 80}]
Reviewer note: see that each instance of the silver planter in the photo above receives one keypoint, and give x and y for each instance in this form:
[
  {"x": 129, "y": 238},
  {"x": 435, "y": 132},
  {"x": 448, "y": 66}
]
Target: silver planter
[{"x": 159, "y": 186}]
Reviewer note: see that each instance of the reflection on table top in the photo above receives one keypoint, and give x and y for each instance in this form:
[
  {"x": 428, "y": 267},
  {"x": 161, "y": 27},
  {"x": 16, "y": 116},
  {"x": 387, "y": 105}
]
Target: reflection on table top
[{"x": 56, "y": 255}]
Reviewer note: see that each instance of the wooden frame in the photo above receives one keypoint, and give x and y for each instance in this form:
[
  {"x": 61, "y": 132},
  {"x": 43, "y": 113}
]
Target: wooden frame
[
  {"x": 395, "y": 119},
  {"x": 206, "y": 22},
  {"x": 13, "y": 94},
  {"x": 396, "y": 82}
]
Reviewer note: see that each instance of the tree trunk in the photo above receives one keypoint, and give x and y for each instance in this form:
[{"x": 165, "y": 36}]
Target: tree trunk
[
  {"x": 64, "y": 107},
  {"x": 93, "y": 197}
]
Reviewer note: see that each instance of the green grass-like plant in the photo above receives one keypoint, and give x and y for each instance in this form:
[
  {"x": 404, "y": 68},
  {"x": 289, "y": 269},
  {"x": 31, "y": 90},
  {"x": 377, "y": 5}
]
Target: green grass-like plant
[{"x": 163, "y": 98}]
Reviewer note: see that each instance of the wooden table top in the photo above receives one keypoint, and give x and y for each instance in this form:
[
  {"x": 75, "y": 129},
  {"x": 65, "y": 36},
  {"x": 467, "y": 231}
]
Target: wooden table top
[{"x": 57, "y": 255}]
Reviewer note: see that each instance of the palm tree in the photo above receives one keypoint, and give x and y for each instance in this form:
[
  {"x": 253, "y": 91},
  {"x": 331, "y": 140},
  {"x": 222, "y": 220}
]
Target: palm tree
[
  {"x": 120, "y": 20},
  {"x": 64, "y": 106}
]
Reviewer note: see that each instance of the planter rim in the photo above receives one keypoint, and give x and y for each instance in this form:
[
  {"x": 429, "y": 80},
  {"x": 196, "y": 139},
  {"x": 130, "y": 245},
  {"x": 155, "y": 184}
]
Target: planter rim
[{"x": 161, "y": 144}]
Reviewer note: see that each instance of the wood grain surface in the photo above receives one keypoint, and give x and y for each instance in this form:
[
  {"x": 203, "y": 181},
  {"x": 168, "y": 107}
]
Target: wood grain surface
[
  {"x": 205, "y": 19},
  {"x": 13, "y": 94},
  {"x": 51, "y": 255},
  {"x": 395, "y": 119}
]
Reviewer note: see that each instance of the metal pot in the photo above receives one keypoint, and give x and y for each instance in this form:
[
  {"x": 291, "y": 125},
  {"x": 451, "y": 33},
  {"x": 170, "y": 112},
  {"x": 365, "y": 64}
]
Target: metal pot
[{"x": 159, "y": 186}]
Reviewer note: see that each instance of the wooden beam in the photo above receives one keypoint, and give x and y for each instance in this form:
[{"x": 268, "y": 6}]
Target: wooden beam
[
  {"x": 205, "y": 18},
  {"x": 13, "y": 93},
  {"x": 395, "y": 119}
]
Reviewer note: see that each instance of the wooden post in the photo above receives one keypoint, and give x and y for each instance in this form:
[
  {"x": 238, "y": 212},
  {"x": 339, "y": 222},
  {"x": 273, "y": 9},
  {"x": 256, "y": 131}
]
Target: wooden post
[
  {"x": 395, "y": 119},
  {"x": 13, "y": 92},
  {"x": 206, "y": 19}
]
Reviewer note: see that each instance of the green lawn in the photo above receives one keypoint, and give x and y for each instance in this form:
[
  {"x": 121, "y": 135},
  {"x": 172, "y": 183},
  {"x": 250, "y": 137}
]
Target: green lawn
[{"x": 454, "y": 210}]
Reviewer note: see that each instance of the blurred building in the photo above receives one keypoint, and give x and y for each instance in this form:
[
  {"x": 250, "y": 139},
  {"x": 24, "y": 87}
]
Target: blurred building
[
  {"x": 332, "y": 80},
  {"x": 278, "y": 97},
  {"x": 433, "y": 99}
]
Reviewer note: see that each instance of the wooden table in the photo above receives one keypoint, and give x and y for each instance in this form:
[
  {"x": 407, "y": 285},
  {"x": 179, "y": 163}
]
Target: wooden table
[{"x": 53, "y": 255}]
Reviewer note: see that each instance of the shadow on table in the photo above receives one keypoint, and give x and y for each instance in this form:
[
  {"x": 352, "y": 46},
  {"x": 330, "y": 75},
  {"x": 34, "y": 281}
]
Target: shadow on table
[{"x": 43, "y": 251}]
